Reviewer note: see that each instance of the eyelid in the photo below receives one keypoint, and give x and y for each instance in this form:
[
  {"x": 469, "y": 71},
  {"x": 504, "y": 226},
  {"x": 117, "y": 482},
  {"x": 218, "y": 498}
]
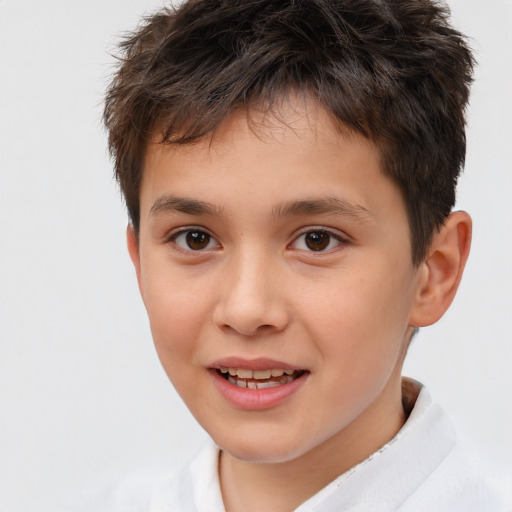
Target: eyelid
[
  {"x": 340, "y": 236},
  {"x": 174, "y": 233}
]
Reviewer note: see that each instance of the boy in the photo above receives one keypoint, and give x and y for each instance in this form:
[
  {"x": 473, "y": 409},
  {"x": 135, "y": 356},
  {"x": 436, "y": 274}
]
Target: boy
[{"x": 289, "y": 169}]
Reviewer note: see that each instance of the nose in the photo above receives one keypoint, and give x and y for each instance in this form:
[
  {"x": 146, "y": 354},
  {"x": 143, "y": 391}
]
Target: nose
[{"x": 251, "y": 300}]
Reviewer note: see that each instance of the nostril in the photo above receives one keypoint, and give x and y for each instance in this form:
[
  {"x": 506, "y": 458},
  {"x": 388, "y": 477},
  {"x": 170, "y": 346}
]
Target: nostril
[
  {"x": 250, "y": 302},
  {"x": 249, "y": 330}
]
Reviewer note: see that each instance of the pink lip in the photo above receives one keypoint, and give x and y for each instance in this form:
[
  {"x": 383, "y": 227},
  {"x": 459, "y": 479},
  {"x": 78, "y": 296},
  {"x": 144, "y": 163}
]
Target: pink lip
[
  {"x": 260, "y": 363},
  {"x": 255, "y": 399}
]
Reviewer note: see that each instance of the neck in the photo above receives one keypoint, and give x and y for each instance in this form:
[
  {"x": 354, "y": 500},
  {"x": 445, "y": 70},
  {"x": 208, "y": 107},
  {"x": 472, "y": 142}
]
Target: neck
[{"x": 283, "y": 486}]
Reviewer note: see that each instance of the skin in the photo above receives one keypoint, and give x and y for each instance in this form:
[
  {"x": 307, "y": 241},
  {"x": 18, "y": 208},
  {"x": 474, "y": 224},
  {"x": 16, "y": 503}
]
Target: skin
[{"x": 344, "y": 313}]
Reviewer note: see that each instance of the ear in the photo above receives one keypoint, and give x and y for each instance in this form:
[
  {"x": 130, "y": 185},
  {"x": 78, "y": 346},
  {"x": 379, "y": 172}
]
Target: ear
[
  {"x": 132, "y": 240},
  {"x": 440, "y": 273}
]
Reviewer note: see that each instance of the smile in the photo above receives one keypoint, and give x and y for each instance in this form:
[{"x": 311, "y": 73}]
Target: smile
[
  {"x": 258, "y": 379},
  {"x": 258, "y": 384}
]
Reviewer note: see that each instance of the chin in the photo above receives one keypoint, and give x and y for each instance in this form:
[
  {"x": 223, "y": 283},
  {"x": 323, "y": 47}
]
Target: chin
[{"x": 261, "y": 449}]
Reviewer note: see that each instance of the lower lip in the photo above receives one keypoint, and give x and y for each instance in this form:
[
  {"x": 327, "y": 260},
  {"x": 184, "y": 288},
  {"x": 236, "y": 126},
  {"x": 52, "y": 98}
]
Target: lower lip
[{"x": 257, "y": 399}]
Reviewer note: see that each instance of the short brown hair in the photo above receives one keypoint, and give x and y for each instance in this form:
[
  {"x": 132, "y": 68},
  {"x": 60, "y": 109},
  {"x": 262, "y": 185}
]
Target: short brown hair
[{"x": 392, "y": 70}]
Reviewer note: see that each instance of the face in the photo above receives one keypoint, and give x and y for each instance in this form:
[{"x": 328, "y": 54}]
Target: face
[{"x": 276, "y": 271}]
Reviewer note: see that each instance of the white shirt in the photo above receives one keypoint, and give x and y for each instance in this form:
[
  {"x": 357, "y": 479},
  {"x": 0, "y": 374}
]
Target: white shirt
[{"x": 422, "y": 469}]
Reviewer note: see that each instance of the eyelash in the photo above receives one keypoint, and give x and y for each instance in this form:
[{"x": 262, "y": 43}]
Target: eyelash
[
  {"x": 340, "y": 240},
  {"x": 190, "y": 231},
  {"x": 185, "y": 232}
]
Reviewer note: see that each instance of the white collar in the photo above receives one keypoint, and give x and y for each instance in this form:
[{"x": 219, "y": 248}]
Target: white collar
[{"x": 381, "y": 482}]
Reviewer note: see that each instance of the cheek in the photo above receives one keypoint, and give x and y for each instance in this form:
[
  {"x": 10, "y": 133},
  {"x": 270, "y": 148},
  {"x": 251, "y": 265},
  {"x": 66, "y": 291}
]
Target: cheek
[
  {"x": 359, "y": 315},
  {"x": 175, "y": 321},
  {"x": 177, "y": 312}
]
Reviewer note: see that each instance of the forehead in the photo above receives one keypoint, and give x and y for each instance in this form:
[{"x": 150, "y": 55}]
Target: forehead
[
  {"x": 294, "y": 113},
  {"x": 293, "y": 120},
  {"x": 294, "y": 151}
]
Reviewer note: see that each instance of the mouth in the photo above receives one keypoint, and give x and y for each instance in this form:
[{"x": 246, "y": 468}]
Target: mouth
[
  {"x": 257, "y": 384},
  {"x": 259, "y": 379}
]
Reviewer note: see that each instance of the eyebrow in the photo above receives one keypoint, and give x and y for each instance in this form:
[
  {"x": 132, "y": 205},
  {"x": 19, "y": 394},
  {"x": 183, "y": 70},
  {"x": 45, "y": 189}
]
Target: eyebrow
[
  {"x": 326, "y": 205},
  {"x": 169, "y": 203}
]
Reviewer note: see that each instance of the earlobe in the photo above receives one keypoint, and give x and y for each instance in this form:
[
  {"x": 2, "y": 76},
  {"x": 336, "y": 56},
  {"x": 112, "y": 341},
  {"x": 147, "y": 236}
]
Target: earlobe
[
  {"x": 132, "y": 242},
  {"x": 440, "y": 274}
]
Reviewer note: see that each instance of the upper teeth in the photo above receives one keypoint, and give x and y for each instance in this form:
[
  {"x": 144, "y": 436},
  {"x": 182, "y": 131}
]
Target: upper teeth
[{"x": 244, "y": 373}]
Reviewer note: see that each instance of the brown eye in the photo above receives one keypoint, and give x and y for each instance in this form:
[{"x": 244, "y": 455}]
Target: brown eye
[
  {"x": 197, "y": 240},
  {"x": 317, "y": 240},
  {"x": 194, "y": 240}
]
